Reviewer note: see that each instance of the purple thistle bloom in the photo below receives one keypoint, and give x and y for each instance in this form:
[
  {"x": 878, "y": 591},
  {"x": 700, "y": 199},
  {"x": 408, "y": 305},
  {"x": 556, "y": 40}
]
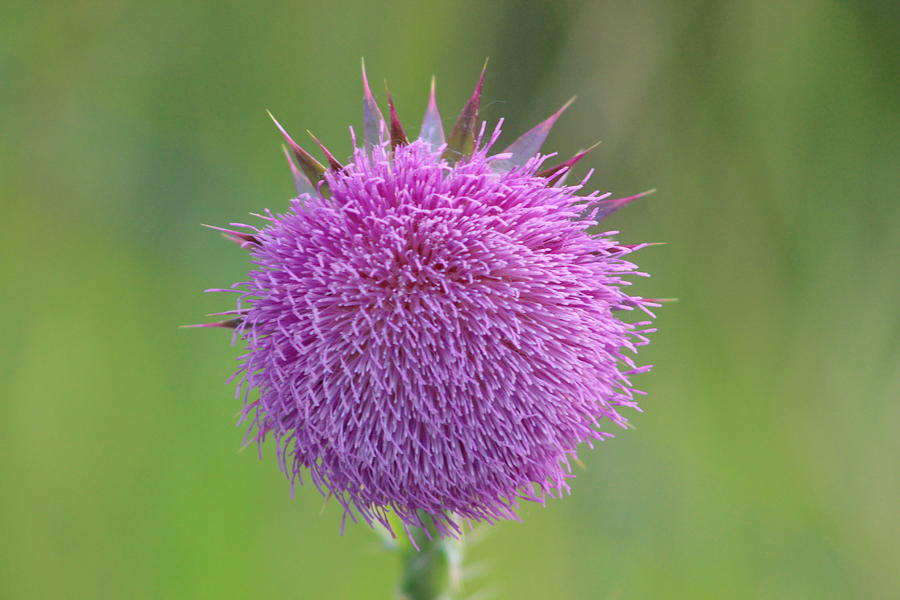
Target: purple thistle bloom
[{"x": 432, "y": 328}]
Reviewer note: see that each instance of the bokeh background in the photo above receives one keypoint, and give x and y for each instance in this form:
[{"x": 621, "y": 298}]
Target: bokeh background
[{"x": 766, "y": 463}]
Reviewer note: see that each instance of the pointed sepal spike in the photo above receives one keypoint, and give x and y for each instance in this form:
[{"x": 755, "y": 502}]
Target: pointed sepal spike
[
  {"x": 432, "y": 128},
  {"x": 641, "y": 246},
  {"x": 531, "y": 141},
  {"x": 333, "y": 163},
  {"x": 398, "y": 136},
  {"x": 311, "y": 168},
  {"x": 554, "y": 173},
  {"x": 462, "y": 137},
  {"x": 605, "y": 208},
  {"x": 301, "y": 183},
  {"x": 373, "y": 121},
  {"x": 242, "y": 239},
  {"x": 229, "y": 324},
  {"x": 233, "y": 311}
]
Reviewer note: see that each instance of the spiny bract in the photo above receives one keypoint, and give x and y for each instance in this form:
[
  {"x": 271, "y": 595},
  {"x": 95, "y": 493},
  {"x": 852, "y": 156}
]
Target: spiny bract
[{"x": 431, "y": 328}]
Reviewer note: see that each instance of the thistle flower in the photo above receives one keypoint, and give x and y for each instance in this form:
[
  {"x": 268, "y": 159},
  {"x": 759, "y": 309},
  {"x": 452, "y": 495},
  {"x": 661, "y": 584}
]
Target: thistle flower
[{"x": 431, "y": 328}]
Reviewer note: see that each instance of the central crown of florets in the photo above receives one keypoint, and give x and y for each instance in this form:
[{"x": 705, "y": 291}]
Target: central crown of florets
[{"x": 417, "y": 222}]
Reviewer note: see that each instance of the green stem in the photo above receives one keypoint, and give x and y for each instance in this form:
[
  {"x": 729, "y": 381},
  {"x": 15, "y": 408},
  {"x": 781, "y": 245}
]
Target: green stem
[{"x": 433, "y": 571}]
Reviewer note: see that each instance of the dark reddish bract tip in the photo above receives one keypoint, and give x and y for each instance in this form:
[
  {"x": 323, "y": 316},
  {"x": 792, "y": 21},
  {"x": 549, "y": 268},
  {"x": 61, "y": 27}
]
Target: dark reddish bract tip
[
  {"x": 398, "y": 136},
  {"x": 462, "y": 138}
]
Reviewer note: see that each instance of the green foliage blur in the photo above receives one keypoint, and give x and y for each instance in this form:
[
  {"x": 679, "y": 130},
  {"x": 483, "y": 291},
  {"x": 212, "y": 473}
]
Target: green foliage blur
[{"x": 766, "y": 463}]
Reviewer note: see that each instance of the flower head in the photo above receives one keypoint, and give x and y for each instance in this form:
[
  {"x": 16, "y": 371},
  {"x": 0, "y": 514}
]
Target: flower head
[{"x": 432, "y": 327}]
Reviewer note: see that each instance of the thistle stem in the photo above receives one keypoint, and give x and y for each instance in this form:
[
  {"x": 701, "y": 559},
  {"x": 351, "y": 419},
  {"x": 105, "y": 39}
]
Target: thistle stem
[{"x": 433, "y": 571}]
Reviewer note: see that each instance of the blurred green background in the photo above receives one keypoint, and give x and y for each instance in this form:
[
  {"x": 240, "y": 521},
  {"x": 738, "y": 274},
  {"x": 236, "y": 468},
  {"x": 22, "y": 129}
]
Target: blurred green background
[{"x": 766, "y": 464}]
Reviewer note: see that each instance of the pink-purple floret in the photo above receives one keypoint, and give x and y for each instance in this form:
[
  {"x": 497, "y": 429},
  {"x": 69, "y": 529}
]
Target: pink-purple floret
[{"x": 437, "y": 337}]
